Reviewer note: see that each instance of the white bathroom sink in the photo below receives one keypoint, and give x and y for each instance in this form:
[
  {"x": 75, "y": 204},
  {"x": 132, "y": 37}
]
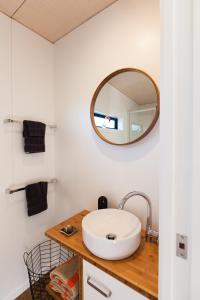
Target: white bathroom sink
[{"x": 111, "y": 233}]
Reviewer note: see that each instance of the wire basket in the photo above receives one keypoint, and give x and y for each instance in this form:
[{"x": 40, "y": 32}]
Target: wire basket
[{"x": 40, "y": 261}]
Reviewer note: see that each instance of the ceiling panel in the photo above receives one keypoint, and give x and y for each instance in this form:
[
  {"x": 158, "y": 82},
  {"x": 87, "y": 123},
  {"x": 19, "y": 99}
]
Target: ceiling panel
[
  {"x": 8, "y": 7},
  {"x": 53, "y": 19},
  {"x": 136, "y": 86}
]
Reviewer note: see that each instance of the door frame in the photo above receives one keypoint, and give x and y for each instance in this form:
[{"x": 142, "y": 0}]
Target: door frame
[
  {"x": 180, "y": 147},
  {"x": 195, "y": 207}
]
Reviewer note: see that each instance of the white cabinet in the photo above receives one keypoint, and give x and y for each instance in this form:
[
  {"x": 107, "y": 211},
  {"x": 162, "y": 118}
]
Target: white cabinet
[{"x": 98, "y": 285}]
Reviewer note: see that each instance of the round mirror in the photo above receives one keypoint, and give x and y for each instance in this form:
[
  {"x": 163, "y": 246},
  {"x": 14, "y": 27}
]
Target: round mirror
[{"x": 125, "y": 107}]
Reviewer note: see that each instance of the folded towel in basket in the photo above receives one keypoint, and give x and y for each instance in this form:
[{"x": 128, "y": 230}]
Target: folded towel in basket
[
  {"x": 65, "y": 279},
  {"x": 64, "y": 293}
]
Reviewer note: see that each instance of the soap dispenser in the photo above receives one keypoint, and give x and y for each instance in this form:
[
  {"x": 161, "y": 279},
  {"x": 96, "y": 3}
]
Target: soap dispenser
[{"x": 102, "y": 202}]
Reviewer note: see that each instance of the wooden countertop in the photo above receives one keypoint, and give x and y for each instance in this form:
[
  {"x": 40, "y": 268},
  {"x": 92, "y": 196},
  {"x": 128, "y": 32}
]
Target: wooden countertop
[{"x": 139, "y": 271}]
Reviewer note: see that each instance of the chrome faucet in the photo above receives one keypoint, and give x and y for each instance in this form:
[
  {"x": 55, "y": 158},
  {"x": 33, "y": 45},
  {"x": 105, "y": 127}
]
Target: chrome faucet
[{"x": 150, "y": 233}]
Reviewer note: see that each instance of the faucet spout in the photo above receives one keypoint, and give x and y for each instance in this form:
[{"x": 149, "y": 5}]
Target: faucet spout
[{"x": 122, "y": 203}]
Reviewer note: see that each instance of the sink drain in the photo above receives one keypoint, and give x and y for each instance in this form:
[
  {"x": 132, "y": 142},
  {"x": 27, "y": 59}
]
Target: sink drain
[{"x": 111, "y": 236}]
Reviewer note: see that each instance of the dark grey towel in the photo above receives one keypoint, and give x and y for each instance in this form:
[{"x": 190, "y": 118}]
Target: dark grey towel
[
  {"x": 36, "y": 196},
  {"x": 34, "y": 136},
  {"x": 34, "y": 144}
]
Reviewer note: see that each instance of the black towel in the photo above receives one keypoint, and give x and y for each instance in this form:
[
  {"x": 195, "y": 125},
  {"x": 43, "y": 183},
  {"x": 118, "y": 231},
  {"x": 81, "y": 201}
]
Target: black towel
[
  {"x": 36, "y": 196},
  {"x": 34, "y": 136},
  {"x": 34, "y": 144}
]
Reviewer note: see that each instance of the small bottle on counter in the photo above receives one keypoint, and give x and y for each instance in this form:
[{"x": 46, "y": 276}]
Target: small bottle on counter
[{"x": 102, "y": 202}]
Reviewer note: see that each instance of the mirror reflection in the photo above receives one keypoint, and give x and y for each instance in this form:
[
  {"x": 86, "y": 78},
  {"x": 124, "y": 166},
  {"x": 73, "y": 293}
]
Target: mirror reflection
[{"x": 125, "y": 107}]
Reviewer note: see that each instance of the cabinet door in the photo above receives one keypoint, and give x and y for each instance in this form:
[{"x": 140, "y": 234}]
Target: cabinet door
[{"x": 98, "y": 285}]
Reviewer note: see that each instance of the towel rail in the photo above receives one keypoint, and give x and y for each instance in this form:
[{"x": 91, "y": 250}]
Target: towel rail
[
  {"x": 52, "y": 126},
  {"x": 12, "y": 190}
]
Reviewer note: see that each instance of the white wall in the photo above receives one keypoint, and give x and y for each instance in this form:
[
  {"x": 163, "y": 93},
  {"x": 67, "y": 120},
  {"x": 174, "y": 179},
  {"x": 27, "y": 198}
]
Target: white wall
[
  {"x": 27, "y": 91},
  {"x": 124, "y": 35}
]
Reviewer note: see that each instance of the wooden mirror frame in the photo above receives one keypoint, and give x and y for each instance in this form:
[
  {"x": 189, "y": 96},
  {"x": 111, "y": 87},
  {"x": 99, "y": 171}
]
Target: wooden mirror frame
[{"x": 101, "y": 85}]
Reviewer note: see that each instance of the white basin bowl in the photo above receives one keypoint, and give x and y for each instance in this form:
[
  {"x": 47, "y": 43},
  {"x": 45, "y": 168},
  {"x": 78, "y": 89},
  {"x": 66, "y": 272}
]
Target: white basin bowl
[{"x": 100, "y": 225}]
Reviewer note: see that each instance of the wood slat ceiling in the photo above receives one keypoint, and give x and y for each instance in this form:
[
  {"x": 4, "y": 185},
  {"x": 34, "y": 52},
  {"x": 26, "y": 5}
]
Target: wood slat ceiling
[{"x": 53, "y": 19}]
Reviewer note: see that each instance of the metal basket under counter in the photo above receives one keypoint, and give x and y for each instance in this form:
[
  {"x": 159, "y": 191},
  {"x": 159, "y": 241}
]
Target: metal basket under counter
[{"x": 40, "y": 261}]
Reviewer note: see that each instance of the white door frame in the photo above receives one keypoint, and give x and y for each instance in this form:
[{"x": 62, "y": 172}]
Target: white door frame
[
  {"x": 180, "y": 147},
  {"x": 195, "y": 209}
]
